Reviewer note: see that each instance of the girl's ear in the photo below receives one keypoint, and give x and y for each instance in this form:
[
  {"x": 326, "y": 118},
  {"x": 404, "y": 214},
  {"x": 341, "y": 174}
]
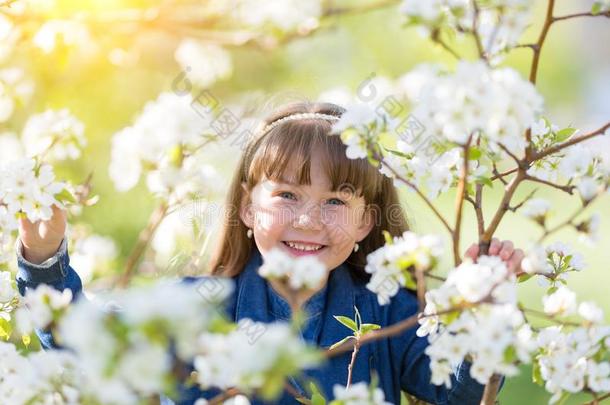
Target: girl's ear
[
  {"x": 367, "y": 224},
  {"x": 245, "y": 210}
]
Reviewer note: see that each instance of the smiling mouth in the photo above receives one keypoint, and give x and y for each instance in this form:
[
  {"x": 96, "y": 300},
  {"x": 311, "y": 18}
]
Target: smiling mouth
[{"x": 301, "y": 249}]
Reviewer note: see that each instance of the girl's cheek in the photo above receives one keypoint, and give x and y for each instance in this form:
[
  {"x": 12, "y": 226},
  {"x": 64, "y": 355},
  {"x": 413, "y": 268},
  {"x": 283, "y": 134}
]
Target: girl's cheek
[{"x": 340, "y": 235}]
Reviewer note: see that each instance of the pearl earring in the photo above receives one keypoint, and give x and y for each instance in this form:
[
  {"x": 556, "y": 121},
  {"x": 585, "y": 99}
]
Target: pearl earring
[
  {"x": 249, "y": 233},
  {"x": 356, "y": 247}
]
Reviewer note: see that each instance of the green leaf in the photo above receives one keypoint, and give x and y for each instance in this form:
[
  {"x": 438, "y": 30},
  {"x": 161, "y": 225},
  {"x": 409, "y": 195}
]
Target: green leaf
[
  {"x": 5, "y": 329},
  {"x": 65, "y": 196},
  {"x": 551, "y": 290},
  {"x": 347, "y": 322},
  {"x": 316, "y": 397},
  {"x": 26, "y": 340},
  {"x": 410, "y": 282},
  {"x": 597, "y": 7},
  {"x": 564, "y": 134},
  {"x": 449, "y": 317},
  {"x": 474, "y": 153},
  {"x": 367, "y": 327},
  {"x": 486, "y": 181},
  {"x": 397, "y": 153},
  {"x": 387, "y": 237},
  {"x": 510, "y": 354},
  {"x": 524, "y": 277},
  {"x": 537, "y": 374},
  {"x": 339, "y": 343}
]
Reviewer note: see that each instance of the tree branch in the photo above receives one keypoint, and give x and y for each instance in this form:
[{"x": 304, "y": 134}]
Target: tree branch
[
  {"x": 459, "y": 203},
  {"x": 548, "y": 21},
  {"x": 504, "y": 205},
  {"x": 491, "y": 390}
]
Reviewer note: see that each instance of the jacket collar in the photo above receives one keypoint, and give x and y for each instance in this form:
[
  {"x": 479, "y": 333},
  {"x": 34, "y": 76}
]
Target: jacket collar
[{"x": 337, "y": 298}]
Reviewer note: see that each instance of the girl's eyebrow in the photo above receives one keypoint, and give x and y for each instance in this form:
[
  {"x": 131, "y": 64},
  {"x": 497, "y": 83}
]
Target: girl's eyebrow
[{"x": 287, "y": 182}]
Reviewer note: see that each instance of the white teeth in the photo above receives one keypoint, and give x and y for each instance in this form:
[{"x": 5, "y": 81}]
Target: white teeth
[{"x": 303, "y": 247}]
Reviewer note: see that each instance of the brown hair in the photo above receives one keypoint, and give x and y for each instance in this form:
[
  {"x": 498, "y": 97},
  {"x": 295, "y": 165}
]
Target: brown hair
[{"x": 293, "y": 142}]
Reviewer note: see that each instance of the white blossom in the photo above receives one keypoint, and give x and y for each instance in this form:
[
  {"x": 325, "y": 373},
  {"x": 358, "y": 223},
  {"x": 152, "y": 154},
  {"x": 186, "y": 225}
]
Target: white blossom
[
  {"x": 41, "y": 307},
  {"x": 68, "y": 32},
  {"x": 10, "y": 147},
  {"x": 58, "y": 134},
  {"x": 7, "y": 291},
  {"x": 157, "y": 141},
  {"x": 536, "y": 209},
  {"x": 90, "y": 253},
  {"x": 247, "y": 356},
  {"x": 587, "y": 188},
  {"x": 536, "y": 261},
  {"x": 591, "y": 312},
  {"x": 305, "y": 272},
  {"x": 560, "y": 302},
  {"x": 204, "y": 63},
  {"x": 24, "y": 190},
  {"x": 499, "y": 103},
  {"x": 284, "y": 14},
  {"x": 389, "y": 264},
  {"x": 358, "y": 394}
]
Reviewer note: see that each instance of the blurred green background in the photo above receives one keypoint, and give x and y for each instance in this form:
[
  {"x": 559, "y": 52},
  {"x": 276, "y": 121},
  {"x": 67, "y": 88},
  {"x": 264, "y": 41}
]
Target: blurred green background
[{"x": 574, "y": 78}]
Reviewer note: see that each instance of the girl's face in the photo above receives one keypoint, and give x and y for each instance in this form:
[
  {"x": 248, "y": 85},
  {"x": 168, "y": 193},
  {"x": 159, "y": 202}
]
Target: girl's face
[{"x": 306, "y": 219}]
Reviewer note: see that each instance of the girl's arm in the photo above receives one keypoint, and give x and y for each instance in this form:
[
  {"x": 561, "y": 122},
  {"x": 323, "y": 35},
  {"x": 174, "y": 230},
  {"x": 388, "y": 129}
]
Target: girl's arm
[
  {"x": 416, "y": 378},
  {"x": 415, "y": 373},
  {"x": 414, "y": 364},
  {"x": 55, "y": 271},
  {"x": 42, "y": 258}
]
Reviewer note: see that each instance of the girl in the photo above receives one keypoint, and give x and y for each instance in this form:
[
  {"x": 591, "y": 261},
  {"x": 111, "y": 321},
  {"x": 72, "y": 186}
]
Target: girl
[{"x": 295, "y": 189}]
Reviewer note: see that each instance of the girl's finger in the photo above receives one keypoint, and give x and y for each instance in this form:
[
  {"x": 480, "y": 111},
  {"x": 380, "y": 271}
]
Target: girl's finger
[
  {"x": 507, "y": 250},
  {"x": 494, "y": 247},
  {"x": 514, "y": 263},
  {"x": 472, "y": 251}
]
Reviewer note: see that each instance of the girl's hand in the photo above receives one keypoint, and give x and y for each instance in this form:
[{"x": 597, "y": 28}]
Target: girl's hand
[
  {"x": 41, "y": 239},
  {"x": 505, "y": 250}
]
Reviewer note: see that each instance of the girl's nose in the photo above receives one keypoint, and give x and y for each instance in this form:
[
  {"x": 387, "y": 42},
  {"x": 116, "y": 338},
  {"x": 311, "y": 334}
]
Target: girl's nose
[{"x": 308, "y": 220}]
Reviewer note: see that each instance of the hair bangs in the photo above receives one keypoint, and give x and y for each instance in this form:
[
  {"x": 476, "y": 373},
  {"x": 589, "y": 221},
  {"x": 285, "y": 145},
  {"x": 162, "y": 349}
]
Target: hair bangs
[{"x": 288, "y": 148}]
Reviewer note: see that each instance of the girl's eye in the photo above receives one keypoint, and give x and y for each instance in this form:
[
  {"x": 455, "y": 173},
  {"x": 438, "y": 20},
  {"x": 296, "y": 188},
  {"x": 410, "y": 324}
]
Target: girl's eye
[
  {"x": 339, "y": 202},
  {"x": 287, "y": 193}
]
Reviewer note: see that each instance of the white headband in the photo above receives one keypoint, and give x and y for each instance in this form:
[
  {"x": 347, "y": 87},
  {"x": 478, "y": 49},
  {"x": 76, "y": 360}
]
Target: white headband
[{"x": 298, "y": 116}]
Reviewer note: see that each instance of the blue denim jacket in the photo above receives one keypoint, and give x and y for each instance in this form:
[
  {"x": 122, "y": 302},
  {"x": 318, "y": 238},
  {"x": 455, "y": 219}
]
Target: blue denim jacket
[{"x": 399, "y": 361}]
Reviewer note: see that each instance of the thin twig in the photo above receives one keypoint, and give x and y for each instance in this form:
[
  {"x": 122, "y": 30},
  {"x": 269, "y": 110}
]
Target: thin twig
[
  {"x": 589, "y": 14},
  {"x": 556, "y": 148},
  {"x": 503, "y": 174},
  {"x": 144, "y": 239},
  {"x": 223, "y": 396},
  {"x": 598, "y": 400},
  {"x": 350, "y": 367},
  {"x": 360, "y": 9},
  {"x": 435, "y": 37},
  {"x": 526, "y": 199},
  {"x": 475, "y": 32},
  {"x": 568, "y": 221},
  {"x": 568, "y": 188},
  {"x": 418, "y": 192}
]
